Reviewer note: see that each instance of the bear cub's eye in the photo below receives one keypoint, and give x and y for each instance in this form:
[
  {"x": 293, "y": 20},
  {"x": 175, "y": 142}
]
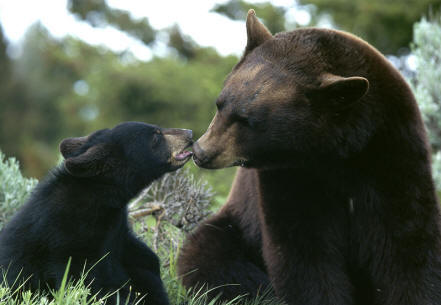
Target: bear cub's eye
[{"x": 157, "y": 137}]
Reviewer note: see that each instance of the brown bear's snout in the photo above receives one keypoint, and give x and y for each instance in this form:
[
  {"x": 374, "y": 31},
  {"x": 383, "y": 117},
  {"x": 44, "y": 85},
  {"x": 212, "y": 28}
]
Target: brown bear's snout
[
  {"x": 216, "y": 148},
  {"x": 199, "y": 155}
]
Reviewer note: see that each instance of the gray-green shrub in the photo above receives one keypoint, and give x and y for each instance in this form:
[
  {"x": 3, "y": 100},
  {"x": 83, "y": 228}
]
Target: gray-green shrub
[
  {"x": 14, "y": 188},
  {"x": 426, "y": 83}
]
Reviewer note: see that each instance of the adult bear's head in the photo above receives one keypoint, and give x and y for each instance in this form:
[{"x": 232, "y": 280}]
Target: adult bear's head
[{"x": 299, "y": 96}]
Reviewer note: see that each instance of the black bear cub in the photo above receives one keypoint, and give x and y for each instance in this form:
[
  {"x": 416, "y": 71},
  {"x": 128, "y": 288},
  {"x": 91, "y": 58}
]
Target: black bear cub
[{"x": 79, "y": 211}]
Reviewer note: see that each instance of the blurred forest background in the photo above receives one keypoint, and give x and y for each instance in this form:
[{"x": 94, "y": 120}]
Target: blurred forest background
[{"x": 57, "y": 88}]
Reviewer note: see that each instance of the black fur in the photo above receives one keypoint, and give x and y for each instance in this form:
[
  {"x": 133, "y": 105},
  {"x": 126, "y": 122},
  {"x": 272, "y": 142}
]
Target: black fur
[{"x": 79, "y": 211}]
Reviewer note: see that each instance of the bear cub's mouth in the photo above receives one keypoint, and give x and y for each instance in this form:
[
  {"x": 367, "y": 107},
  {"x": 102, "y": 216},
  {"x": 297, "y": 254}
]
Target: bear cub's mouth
[{"x": 184, "y": 154}]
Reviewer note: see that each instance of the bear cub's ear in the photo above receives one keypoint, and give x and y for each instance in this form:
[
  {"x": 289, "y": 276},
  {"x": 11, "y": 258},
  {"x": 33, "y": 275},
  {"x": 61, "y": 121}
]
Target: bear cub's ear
[
  {"x": 70, "y": 146},
  {"x": 90, "y": 163}
]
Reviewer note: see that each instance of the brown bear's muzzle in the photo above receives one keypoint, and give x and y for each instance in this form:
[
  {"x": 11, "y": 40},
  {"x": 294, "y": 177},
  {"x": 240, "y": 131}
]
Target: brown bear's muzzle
[
  {"x": 200, "y": 157},
  {"x": 219, "y": 155}
]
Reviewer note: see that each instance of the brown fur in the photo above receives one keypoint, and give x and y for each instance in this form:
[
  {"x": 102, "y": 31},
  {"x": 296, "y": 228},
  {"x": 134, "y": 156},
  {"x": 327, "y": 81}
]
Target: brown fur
[
  {"x": 228, "y": 239},
  {"x": 337, "y": 204}
]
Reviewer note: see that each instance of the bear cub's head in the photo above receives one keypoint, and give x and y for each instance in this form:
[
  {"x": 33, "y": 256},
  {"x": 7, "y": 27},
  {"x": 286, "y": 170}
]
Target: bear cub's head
[{"x": 132, "y": 153}]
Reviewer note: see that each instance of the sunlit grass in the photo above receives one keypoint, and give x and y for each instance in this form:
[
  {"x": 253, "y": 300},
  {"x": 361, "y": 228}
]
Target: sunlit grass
[{"x": 78, "y": 292}]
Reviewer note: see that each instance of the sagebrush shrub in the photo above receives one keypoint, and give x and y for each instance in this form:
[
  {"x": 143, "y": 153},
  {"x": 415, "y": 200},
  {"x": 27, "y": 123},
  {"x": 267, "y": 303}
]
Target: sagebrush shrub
[
  {"x": 14, "y": 188},
  {"x": 426, "y": 83}
]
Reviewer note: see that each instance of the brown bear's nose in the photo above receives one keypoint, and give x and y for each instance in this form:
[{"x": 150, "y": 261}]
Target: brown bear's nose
[{"x": 199, "y": 155}]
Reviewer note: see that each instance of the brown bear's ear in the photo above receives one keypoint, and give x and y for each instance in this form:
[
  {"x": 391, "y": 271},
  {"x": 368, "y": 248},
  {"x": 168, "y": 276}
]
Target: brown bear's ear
[
  {"x": 257, "y": 33},
  {"x": 342, "y": 90},
  {"x": 88, "y": 164},
  {"x": 69, "y": 146}
]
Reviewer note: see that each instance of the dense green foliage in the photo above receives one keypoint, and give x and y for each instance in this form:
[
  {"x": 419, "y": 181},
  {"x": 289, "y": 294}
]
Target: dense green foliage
[
  {"x": 385, "y": 24},
  {"x": 99, "y": 14}
]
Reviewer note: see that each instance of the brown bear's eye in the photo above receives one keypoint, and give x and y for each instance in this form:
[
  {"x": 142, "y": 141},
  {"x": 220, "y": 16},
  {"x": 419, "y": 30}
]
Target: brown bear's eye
[
  {"x": 242, "y": 119},
  {"x": 220, "y": 104}
]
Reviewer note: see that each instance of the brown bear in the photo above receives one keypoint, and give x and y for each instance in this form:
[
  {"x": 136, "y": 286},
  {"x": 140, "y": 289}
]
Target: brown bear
[{"x": 335, "y": 203}]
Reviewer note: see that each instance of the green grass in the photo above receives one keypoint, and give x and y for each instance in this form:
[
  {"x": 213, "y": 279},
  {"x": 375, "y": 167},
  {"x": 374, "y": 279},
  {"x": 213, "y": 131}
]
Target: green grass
[{"x": 77, "y": 292}]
